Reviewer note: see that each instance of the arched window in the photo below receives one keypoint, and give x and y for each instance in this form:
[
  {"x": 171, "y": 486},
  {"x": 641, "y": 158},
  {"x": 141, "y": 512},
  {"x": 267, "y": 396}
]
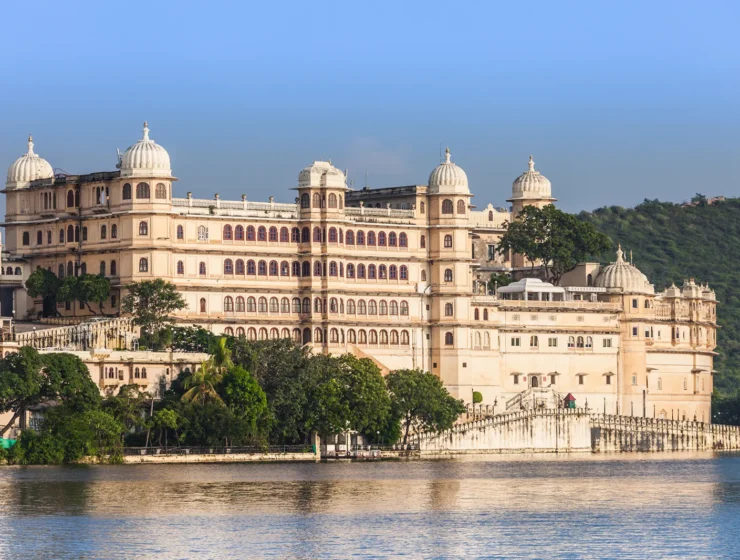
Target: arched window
[
  {"x": 180, "y": 232},
  {"x": 571, "y": 342},
  {"x": 202, "y": 268},
  {"x": 579, "y": 342},
  {"x": 351, "y": 336},
  {"x": 39, "y": 238},
  {"x": 60, "y": 273},
  {"x": 251, "y": 305},
  {"x": 448, "y": 241},
  {"x": 103, "y": 232},
  {"x": 251, "y": 268},
  {"x": 447, "y": 206},
  {"x": 306, "y": 306},
  {"x": 490, "y": 215},
  {"x": 262, "y": 305},
  {"x": 228, "y": 331},
  {"x": 113, "y": 232},
  {"x": 296, "y": 268},
  {"x": 26, "y": 238},
  {"x": 82, "y": 271},
  {"x": 262, "y": 233},
  {"x": 371, "y": 238},
  {"x": 317, "y": 235},
  {"x": 295, "y": 235},
  {"x": 137, "y": 373},
  {"x": 126, "y": 192},
  {"x": 113, "y": 270},
  {"x": 228, "y": 304},
  {"x": 273, "y": 268},
  {"x": 461, "y": 207},
  {"x": 143, "y": 228},
  {"x": 239, "y": 304},
  {"x": 262, "y": 268},
  {"x": 448, "y": 310},
  {"x": 240, "y": 332},
  {"x": 350, "y": 270},
  {"x": 449, "y": 339},
  {"x": 202, "y": 305},
  {"x": 383, "y": 307},
  {"x": 284, "y": 235},
  {"x": 202, "y": 233},
  {"x": 485, "y": 314},
  {"x": 393, "y": 307},
  {"x": 423, "y": 241},
  {"x": 373, "y": 338},
  {"x": 316, "y": 200},
  {"x": 48, "y": 237},
  {"x": 381, "y": 239},
  {"x": 372, "y": 307},
  {"x": 305, "y": 235},
  {"x": 250, "y": 233},
  {"x": 143, "y": 265},
  {"x": 228, "y": 266},
  {"x": 77, "y": 233},
  {"x": 284, "y": 268},
  {"x": 362, "y": 338},
  {"x": 274, "y": 305},
  {"x": 102, "y": 268},
  {"x": 239, "y": 269},
  {"x": 361, "y": 271},
  {"x": 332, "y": 200},
  {"x": 351, "y": 310},
  {"x": 349, "y": 238},
  {"x": 142, "y": 190},
  {"x": 318, "y": 335},
  {"x": 405, "y": 337},
  {"x": 332, "y": 235},
  {"x": 534, "y": 341},
  {"x": 476, "y": 314},
  {"x": 382, "y": 272},
  {"x": 296, "y": 305},
  {"x": 61, "y": 235},
  {"x": 332, "y": 268},
  {"x": 228, "y": 232},
  {"x": 180, "y": 268},
  {"x": 392, "y": 239},
  {"x": 306, "y": 268},
  {"x": 403, "y": 240},
  {"x": 70, "y": 234},
  {"x": 285, "y": 305},
  {"x": 305, "y": 201},
  {"x": 360, "y": 237},
  {"x": 273, "y": 234},
  {"x": 333, "y": 305},
  {"x": 392, "y": 272},
  {"x": 70, "y": 199},
  {"x": 317, "y": 268},
  {"x": 448, "y": 275},
  {"x": 589, "y": 342},
  {"x": 361, "y": 307},
  {"x": 239, "y": 233},
  {"x": 371, "y": 272},
  {"x": 161, "y": 191},
  {"x": 404, "y": 272},
  {"x": 384, "y": 337}
]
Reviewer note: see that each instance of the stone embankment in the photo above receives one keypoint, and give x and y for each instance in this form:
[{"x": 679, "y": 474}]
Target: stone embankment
[{"x": 577, "y": 430}]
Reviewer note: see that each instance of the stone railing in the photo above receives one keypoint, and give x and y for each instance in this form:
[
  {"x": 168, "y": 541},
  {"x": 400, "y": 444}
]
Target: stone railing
[
  {"x": 379, "y": 212},
  {"x": 108, "y": 333},
  {"x": 244, "y": 208},
  {"x": 533, "y": 304}
]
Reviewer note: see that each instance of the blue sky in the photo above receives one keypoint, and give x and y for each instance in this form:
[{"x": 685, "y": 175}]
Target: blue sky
[{"x": 617, "y": 101}]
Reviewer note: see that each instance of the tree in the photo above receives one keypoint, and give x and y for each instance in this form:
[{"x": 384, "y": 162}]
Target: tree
[
  {"x": 27, "y": 379},
  {"x": 246, "y": 399},
  {"x": 127, "y": 406},
  {"x": 45, "y": 284},
  {"x": 220, "y": 360},
  {"x": 556, "y": 239},
  {"x": 422, "y": 402},
  {"x": 85, "y": 289},
  {"x": 152, "y": 302},
  {"x": 164, "y": 420},
  {"x": 190, "y": 339},
  {"x": 201, "y": 386},
  {"x": 366, "y": 395}
]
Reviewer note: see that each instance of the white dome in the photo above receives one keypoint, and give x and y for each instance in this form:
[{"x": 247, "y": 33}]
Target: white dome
[
  {"x": 29, "y": 167},
  {"x": 145, "y": 158},
  {"x": 531, "y": 184},
  {"x": 321, "y": 174},
  {"x": 448, "y": 178},
  {"x": 623, "y": 276}
]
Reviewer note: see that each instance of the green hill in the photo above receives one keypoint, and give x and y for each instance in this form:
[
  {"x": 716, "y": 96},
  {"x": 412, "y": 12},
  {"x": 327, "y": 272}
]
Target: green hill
[{"x": 672, "y": 242}]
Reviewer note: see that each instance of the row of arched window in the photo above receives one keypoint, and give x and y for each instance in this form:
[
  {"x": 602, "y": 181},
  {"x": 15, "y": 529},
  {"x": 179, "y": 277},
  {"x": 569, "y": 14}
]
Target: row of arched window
[
  {"x": 10, "y": 272},
  {"x": 74, "y": 269},
  {"x": 448, "y": 206},
  {"x": 143, "y": 191},
  {"x": 298, "y": 269},
  {"x": 297, "y": 305},
  {"x": 380, "y": 337},
  {"x": 322, "y": 201},
  {"x": 72, "y": 234},
  {"x": 272, "y": 234}
]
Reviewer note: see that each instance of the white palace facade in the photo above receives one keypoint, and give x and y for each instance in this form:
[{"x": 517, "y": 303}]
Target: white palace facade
[{"x": 395, "y": 274}]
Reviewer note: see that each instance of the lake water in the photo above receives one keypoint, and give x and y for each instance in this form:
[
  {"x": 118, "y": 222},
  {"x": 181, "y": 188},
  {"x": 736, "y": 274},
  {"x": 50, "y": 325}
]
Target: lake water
[{"x": 620, "y": 506}]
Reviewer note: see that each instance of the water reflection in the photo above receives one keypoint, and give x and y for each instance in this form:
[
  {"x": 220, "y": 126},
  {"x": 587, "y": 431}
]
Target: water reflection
[{"x": 539, "y": 506}]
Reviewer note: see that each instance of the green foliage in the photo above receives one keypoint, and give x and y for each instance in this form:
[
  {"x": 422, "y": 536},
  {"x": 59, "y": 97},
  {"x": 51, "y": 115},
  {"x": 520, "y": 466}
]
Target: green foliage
[
  {"x": 45, "y": 284},
  {"x": 190, "y": 339},
  {"x": 422, "y": 402},
  {"x": 498, "y": 280},
  {"x": 247, "y": 401},
  {"x": 672, "y": 242},
  {"x": 200, "y": 386},
  {"x": 477, "y": 397},
  {"x": 152, "y": 302},
  {"x": 557, "y": 239},
  {"x": 85, "y": 289}
]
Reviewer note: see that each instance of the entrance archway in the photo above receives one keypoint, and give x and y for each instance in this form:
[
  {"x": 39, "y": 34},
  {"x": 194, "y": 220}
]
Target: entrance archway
[{"x": 534, "y": 381}]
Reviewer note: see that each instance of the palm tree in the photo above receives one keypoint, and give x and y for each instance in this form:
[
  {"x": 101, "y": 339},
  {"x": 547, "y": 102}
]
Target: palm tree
[
  {"x": 201, "y": 385},
  {"x": 220, "y": 360}
]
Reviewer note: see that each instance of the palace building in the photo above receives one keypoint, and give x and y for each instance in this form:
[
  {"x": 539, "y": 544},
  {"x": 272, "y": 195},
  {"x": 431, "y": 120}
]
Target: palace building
[{"x": 397, "y": 274}]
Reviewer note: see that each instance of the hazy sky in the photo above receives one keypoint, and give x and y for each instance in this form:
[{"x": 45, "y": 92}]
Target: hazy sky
[{"x": 617, "y": 101}]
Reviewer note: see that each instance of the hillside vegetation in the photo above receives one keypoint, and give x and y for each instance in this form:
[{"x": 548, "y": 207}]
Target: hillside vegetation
[{"x": 672, "y": 242}]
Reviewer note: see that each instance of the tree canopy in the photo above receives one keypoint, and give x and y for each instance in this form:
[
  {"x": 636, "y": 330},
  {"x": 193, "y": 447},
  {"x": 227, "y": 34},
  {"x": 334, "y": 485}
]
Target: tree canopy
[{"x": 152, "y": 303}]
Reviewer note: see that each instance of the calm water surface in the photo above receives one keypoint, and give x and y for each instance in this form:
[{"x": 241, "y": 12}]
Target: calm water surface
[{"x": 671, "y": 506}]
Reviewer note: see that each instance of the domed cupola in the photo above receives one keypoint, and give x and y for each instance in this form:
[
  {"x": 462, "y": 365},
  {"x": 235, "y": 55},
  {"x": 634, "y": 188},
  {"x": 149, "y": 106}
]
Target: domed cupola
[
  {"x": 321, "y": 174},
  {"x": 448, "y": 178},
  {"x": 29, "y": 167},
  {"x": 146, "y": 158},
  {"x": 531, "y": 185},
  {"x": 623, "y": 276}
]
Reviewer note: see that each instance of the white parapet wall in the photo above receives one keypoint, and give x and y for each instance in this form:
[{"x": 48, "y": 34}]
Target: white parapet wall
[{"x": 526, "y": 431}]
